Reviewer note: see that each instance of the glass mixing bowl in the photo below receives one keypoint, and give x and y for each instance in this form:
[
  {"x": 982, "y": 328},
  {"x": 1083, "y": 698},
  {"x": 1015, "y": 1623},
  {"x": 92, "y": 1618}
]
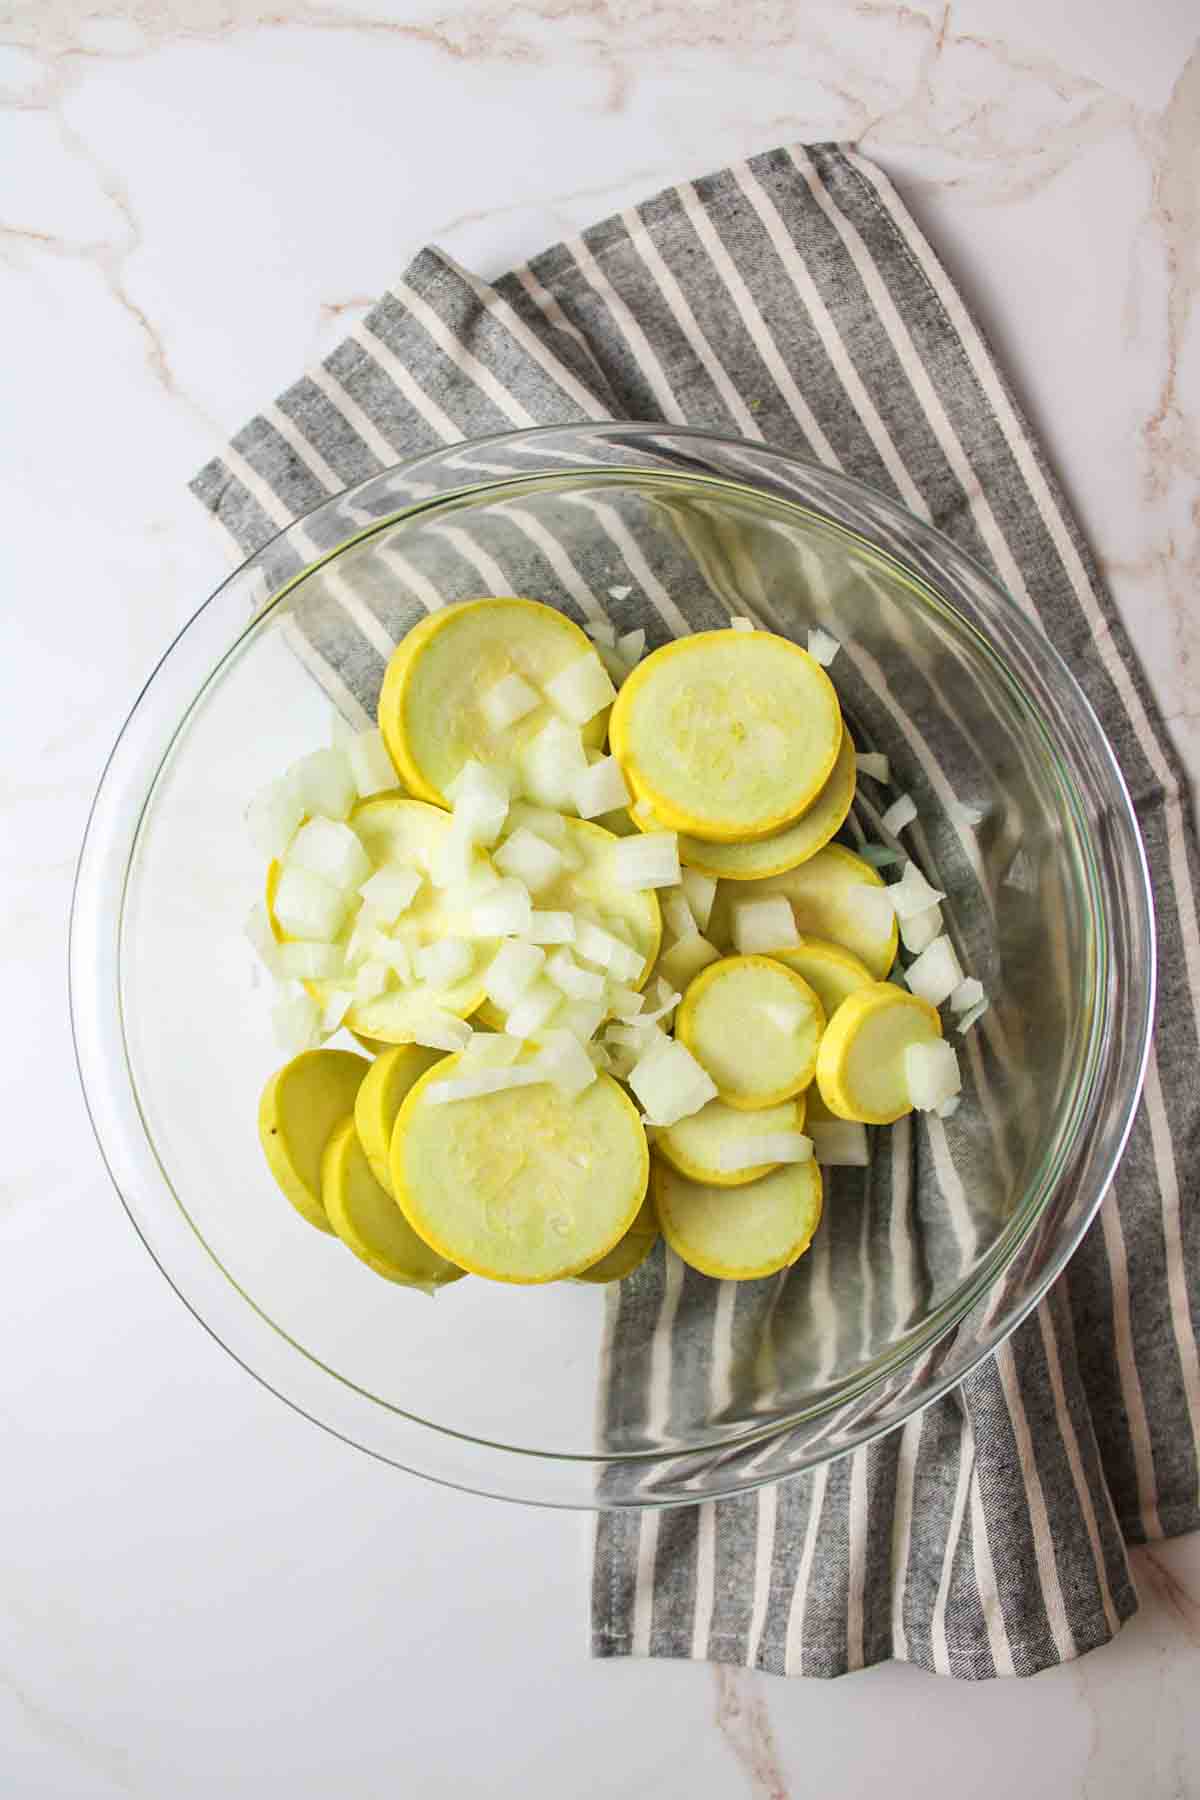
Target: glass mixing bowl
[{"x": 669, "y": 1387}]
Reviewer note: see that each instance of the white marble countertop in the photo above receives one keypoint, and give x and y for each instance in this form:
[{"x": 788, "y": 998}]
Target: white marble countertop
[{"x": 199, "y": 1593}]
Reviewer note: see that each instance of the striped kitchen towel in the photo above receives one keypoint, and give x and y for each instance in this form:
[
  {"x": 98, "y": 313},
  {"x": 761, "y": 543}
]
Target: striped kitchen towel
[{"x": 793, "y": 300}]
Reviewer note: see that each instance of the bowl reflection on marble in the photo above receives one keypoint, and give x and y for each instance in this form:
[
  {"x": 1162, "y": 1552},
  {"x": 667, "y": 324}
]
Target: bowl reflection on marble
[{"x": 669, "y": 1387}]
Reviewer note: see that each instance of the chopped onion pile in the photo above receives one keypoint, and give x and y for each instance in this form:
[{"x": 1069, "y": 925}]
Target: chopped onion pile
[
  {"x": 570, "y": 979},
  {"x": 513, "y": 971},
  {"x": 506, "y": 912}
]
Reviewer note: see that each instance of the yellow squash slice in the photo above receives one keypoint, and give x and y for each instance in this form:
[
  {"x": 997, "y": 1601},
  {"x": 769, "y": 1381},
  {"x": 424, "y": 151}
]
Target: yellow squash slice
[
  {"x": 299, "y": 1108},
  {"x": 524, "y": 1185},
  {"x": 753, "y": 1026},
  {"x": 860, "y": 1064},
  {"x": 727, "y": 735},
  {"x": 380, "y": 1098},
  {"x": 693, "y": 1145},
  {"x": 632, "y": 1250},
  {"x": 833, "y": 973},
  {"x": 739, "y": 1234},
  {"x": 823, "y": 899},
  {"x": 786, "y": 849},
  {"x": 369, "y": 1222}
]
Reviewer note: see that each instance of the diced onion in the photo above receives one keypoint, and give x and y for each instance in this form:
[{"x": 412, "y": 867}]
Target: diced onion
[
  {"x": 508, "y": 700},
  {"x": 488, "y": 1050},
  {"x": 902, "y": 812},
  {"x": 295, "y": 1019},
  {"x": 552, "y": 763},
  {"x": 919, "y": 931},
  {"x": 872, "y": 763},
  {"x": 949, "y": 1107},
  {"x": 618, "y": 670},
  {"x": 786, "y": 1018},
  {"x": 582, "y": 1018},
  {"x": 670, "y": 1083},
  {"x": 438, "y": 1030},
  {"x": 540, "y": 1001},
  {"x": 678, "y": 914},
  {"x": 821, "y": 647},
  {"x": 530, "y": 859},
  {"x": 487, "y": 1081},
  {"x": 371, "y": 768},
  {"x": 769, "y": 1147},
  {"x": 258, "y": 930},
  {"x": 631, "y": 646},
  {"x": 513, "y": 971},
  {"x": 371, "y": 981},
  {"x": 968, "y": 816},
  {"x": 878, "y": 855},
  {"x": 650, "y": 861},
  {"x": 574, "y": 982},
  {"x": 739, "y": 623},
  {"x": 601, "y": 789},
  {"x": 452, "y": 858},
  {"x": 967, "y": 994},
  {"x": 541, "y": 820},
  {"x": 593, "y": 943},
  {"x": 332, "y": 851},
  {"x": 308, "y": 906},
  {"x": 311, "y": 962},
  {"x": 600, "y": 631},
  {"x": 685, "y": 959},
  {"x": 564, "y": 1062},
  {"x": 762, "y": 925},
  {"x": 582, "y": 689},
  {"x": 325, "y": 784},
  {"x": 480, "y": 797},
  {"x": 972, "y": 1016},
  {"x": 336, "y": 1008},
  {"x": 619, "y": 593},
  {"x": 393, "y": 954},
  {"x": 441, "y": 964},
  {"x": 389, "y": 892},
  {"x": 700, "y": 891},
  {"x": 624, "y": 1002},
  {"x": 668, "y": 1000},
  {"x": 505, "y": 912},
  {"x": 274, "y": 816},
  {"x": 361, "y": 941},
  {"x": 551, "y": 928},
  {"x": 912, "y": 894},
  {"x": 839, "y": 1143},
  {"x": 932, "y": 1074},
  {"x": 872, "y": 907},
  {"x": 936, "y": 972}
]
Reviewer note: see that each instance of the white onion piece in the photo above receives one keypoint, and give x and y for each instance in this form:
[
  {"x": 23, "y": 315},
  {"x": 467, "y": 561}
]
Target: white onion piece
[
  {"x": 564, "y": 1062},
  {"x": 821, "y": 647},
  {"x": 324, "y": 783},
  {"x": 581, "y": 690},
  {"x": 530, "y": 859},
  {"x": 541, "y": 820},
  {"x": 295, "y": 1020},
  {"x": 330, "y": 850},
  {"x": 480, "y": 797},
  {"x": 700, "y": 892},
  {"x": 932, "y": 1074},
  {"x": 872, "y": 763},
  {"x": 972, "y": 1016},
  {"x": 912, "y": 894},
  {"x": 513, "y": 971},
  {"x": 311, "y": 962},
  {"x": 669, "y": 1083},
  {"x": 551, "y": 927},
  {"x": 552, "y": 763},
  {"x": 440, "y": 965},
  {"x": 1021, "y": 874},
  {"x": 678, "y": 914},
  {"x": 336, "y": 1008},
  {"x": 488, "y": 1050},
  {"x": 918, "y": 932},
  {"x": 602, "y": 789},
  {"x": 593, "y": 943},
  {"x": 574, "y": 982},
  {"x": 645, "y": 862},
  {"x": 393, "y": 954},
  {"x": 619, "y": 593},
  {"x": 452, "y": 858},
  {"x": 787, "y": 1018},
  {"x": 389, "y": 892},
  {"x": 668, "y": 1000},
  {"x": 949, "y": 1107},
  {"x": 371, "y": 981},
  {"x": 258, "y": 930},
  {"x": 967, "y": 994},
  {"x": 508, "y": 700},
  {"x": 762, "y": 925},
  {"x": 371, "y": 768},
  {"x": 685, "y": 959},
  {"x": 361, "y": 941},
  {"x": 900, "y": 813},
  {"x": 308, "y": 906},
  {"x": 505, "y": 912},
  {"x": 839, "y": 1143},
  {"x": 582, "y": 1018},
  {"x": 631, "y": 647},
  {"x": 738, "y": 623},
  {"x": 438, "y": 1030},
  {"x": 534, "y": 1009},
  {"x": 600, "y": 631},
  {"x": 274, "y": 816},
  {"x": 873, "y": 907},
  {"x": 967, "y": 816},
  {"x": 618, "y": 669},
  {"x": 936, "y": 972},
  {"x": 748, "y": 1152},
  {"x": 624, "y": 1002},
  {"x": 487, "y": 1081}
]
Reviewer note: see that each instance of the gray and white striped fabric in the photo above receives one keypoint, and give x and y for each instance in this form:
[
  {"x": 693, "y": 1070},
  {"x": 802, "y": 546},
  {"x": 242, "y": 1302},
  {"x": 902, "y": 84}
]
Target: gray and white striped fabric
[{"x": 793, "y": 300}]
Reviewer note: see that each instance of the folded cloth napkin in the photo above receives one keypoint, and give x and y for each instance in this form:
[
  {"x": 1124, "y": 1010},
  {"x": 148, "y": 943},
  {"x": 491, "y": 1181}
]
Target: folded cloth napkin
[{"x": 793, "y": 300}]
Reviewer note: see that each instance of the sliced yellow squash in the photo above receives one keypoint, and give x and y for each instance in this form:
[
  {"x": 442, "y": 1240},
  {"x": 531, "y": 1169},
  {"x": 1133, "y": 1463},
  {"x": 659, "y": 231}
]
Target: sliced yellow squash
[
  {"x": 786, "y": 849},
  {"x": 860, "y": 1063},
  {"x": 380, "y": 1098},
  {"x": 727, "y": 735},
  {"x": 632, "y": 1250},
  {"x": 753, "y": 1026},
  {"x": 524, "y": 1185},
  {"x": 299, "y": 1108},
  {"x": 431, "y": 708},
  {"x": 823, "y": 899},
  {"x": 833, "y": 973},
  {"x": 369, "y": 1222},
  {"x": 739, "y": 1234},
  {"x": 693, "y": 1145}
]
